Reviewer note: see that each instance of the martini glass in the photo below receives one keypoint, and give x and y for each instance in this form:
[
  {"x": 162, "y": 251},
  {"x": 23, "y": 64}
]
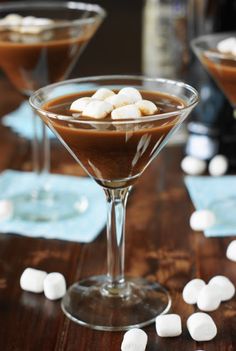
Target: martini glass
[
  {"x": 222, "y": 68},
  {"x": 114, "y": 154},
  {"x": 33, "y": 55}
]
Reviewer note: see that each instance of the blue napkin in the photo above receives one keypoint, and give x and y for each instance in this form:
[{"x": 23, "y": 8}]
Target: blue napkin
[
  {"x": 21, "y": 121},
  {"x": 217, "y": 194},
  {"x": 83, "y": 228}
]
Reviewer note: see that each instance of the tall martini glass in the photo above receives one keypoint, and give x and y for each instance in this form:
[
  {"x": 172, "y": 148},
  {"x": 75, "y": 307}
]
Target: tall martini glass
[
  {"x": 222, "y": 68},
  {"x": 32, "y": 55},
  {"x": 115, "y": 154}
]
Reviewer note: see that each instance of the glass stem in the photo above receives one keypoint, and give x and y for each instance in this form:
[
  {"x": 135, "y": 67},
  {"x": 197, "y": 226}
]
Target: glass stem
[
  {"x": 116, "y": 209},
  {"x": 41, "y": 157}
]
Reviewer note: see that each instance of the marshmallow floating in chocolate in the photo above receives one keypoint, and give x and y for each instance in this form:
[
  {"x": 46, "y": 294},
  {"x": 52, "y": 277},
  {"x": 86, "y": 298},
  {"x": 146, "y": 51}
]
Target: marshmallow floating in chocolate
[
  {"x": 134, "y": 340},
  {"x": 227, "y": 46},
  {"x": 126, "y": 104},
  {"x": 168, "y": 325},
  {"x": 25, "y": 25}
]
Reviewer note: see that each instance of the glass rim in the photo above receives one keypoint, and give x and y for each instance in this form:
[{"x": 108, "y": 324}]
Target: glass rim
[
  {"x": 151, "y": 118},
  {"x": 196, "y": 41},
  {"x": 98, "y": 10}
]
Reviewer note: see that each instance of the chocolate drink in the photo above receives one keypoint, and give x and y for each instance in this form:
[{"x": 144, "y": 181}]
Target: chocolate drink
[
  {"x": 223, "y": 70},
  {"x": 114, "y": 154},
  {"x": 32, "y": 61}
]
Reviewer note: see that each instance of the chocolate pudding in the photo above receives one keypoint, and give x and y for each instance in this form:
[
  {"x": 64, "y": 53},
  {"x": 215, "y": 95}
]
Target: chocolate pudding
[
  {"x": 113, "y": 153},
  {"x": 223, "y": 70},
  {"x": 34, "y": 60}
]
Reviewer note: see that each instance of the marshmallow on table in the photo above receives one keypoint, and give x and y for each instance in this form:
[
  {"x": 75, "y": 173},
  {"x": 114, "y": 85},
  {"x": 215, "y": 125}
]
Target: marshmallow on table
[
  {"x": 209, "y": 298},
  {"x": 97, "y": 109},
  {"x": 202, "y": 219},
  {"x": 146, "y": 107},
  {"x": 32, "y": 280},
  {"x": 193, "y": 166},
  {"x": 218, "y": 165},
  {"x": 102, "y": 94},
  {"x": 132, "y": 93},
  {"x": 134, "y": 340},
  {"x": 192, "y": 290},
  {"x": 224, "y": 286},
  {"x": 168, "y": 325},
  {"x": 54, "y": 286},
  {"x": 125, "y": 112},
  {"x": 231, "y": 251},
  {"x": 201, "y": 327},
  {"x": 6, "y": 210}
]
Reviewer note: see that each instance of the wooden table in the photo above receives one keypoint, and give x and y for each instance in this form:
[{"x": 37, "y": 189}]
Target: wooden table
[{"x": 159, "y": 244}]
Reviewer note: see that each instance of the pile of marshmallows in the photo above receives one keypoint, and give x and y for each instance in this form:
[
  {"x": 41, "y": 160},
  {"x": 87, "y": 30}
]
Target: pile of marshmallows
[
  {"x": 25, "y": 25},
  {"x": 127, "y": 103},
  {"x": 200, "y": 325},
  {"x": 53, "y": 284}
]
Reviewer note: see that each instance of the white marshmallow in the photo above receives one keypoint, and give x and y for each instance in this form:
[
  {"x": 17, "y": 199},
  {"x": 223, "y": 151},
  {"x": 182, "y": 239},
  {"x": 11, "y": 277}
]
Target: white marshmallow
[
  {"x": 32, "y": 280},
  {"x": 54, "y": 286},
  {"x": 125, "y": 112},
  {"x": 33, "y": 25},
  {"x": 6, "y": 210},
  {"x": 231, "y": 251},
  {"x": 209, "y": 298},
  {"x": 13, "y": 21},
  {"x": 226, "y": 45},
  {"x": 97, "y": 109},
  {"x": 193, "y": 166},
  {"x": 202, "y": 219},
  {"x": 133, "y": 94},
  {"x": 134, "y": 340},
  {"x": 168, "y": 325},
  {"x": 201, "y": 327},
  {"x": 224, "y": 286},
  {"x": 118, "y": 100},
  {"x": 80, "y": 104},
  {"x": 102, "y": 94},
  {"x": 192, "y": 290},
  {"x": 146, "y": 107},
  {"x": 218, "y": 165}
]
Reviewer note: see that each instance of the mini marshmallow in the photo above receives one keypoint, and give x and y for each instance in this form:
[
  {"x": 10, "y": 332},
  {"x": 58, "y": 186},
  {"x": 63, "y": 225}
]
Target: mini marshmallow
[
  {"x": 54, "y": 286},
  {"x": 133, "y": 94},
  {"x": 80, "y": 104},
  {"x": 209, "y": 298},
  {"x": 125, "y": 112},
  {"x": 6, "y": 210},
  {"x": 32, "y": 280},
  {"x": 168, "y": 325},
  {"x": 201, "y": 327},
  {"x": 118, "y": 100},
  {"x": 202, "y": 219},
  {"x": 13, "y": 21},
  {"x": 97, "y": 109},
  {"x": 224, "y": 286},
  {"x": 102, "y": 94},
  {"x": 231, "y": 251},
  {"x": 218, "y": 165},
  {"x": 146, "y": 107},
  {"x": 192, "y": 290},
  {"x": 225, "y": 46},
  {"x": 134, "y": 340},
  {"x": 33, "y": 25},
  {"x": 193, "y": 166}
]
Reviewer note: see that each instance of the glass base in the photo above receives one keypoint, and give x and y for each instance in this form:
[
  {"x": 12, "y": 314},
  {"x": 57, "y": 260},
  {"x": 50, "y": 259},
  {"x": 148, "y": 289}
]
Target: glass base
[
  {"x": 89, "y": 303},
  {"x": 48, "y": 206}
]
